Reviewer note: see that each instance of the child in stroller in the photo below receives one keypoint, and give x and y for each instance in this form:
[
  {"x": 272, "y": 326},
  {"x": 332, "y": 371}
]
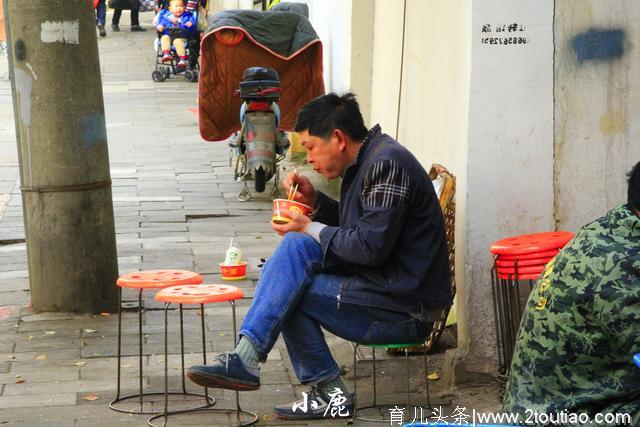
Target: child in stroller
[{"x": 178, "y": 47}]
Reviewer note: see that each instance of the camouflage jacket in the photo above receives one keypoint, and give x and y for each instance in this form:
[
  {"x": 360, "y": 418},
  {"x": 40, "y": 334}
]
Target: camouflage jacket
[{"x": 581, "y": 326}]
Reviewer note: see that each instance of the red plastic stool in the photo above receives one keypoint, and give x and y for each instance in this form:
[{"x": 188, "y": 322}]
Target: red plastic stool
[
  {"x": 199, "y": 294},
  {"x": 528, "y": 243},
  {"x": 533, "y": 255},
  {"x": 151, "y": 280},
  {"x": 518, "y": 262}
]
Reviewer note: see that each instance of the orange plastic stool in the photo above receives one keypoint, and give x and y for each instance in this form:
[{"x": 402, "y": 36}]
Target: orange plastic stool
[
  {"x": 518, "y": 262},
  {"x": 199, "y": 294},
  {"x": 150, "y": 280},
  {"x": 158, "y": 279},
  {"x": 522, "y": 263},
  {"x": 533, "y": 255},
  {"x": 528, "y": 243}
]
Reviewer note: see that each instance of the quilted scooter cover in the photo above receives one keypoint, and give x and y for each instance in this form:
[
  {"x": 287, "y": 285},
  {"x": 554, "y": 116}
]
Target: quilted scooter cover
[{"x": 284, "y": 41}]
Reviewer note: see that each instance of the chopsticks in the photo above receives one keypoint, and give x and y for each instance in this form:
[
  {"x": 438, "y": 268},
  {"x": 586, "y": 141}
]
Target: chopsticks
[
  {"x": 294, "y": 188},
  {"x": 292, "y": 191}
]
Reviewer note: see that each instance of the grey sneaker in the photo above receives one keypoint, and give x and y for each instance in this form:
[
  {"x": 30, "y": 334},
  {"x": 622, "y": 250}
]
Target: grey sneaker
[
  {"x": 101, "y": 30},
  {"x": 317, "y": 404},
  {"x": 115, "y": 28},
  {"x": 137, "y": 28}
]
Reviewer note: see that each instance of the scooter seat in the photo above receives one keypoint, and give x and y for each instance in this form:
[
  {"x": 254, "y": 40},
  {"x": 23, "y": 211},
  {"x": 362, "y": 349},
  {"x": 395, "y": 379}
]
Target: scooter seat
[{"x": 260, "y": 73}]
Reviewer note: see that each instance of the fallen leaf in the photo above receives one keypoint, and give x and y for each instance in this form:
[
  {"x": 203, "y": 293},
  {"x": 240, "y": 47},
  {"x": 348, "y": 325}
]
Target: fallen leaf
[
  {"x": 19, "y": 380},
  {"x": 90, "y": 331},
  {"x": 11, "y": 357},
  {"x": 91, "y": 397},
  {"x": 222, "y": 334},
  {"x": 259, "y": 237},
  {"x": 79, "y": 363},
  {"x": 50, "y": 332},
  {"x": 127, "y": 366},
  {"x": 41, "y": 357},
  {"x": 266, "y": 418},
  {"x": 30, "y": 337},
  {"x": 433, "y": 376},
  {"x": 18, "y": 375}
]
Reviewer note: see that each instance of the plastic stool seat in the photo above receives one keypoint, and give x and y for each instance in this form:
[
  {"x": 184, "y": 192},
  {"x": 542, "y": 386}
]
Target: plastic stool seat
[
  {"x": 141, "y": 281},
  {"x": 528, "y": 243},
  {"x": 528, "y": 256},
  {"x": 158, "y": 279},
  {"x": 199, "y": 294},
  {"x": 511, "y": 263}
]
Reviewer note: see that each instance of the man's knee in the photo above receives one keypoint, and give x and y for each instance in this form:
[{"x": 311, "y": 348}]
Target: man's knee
[
  {"x": 296, "y": 245},
  {"x": 296, "y": 240}
]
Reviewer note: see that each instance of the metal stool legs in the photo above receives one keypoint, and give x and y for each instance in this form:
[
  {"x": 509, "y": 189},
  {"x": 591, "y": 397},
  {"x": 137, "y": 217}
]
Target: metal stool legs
[
  {"x": 141, "y": 394},
  {"x": 354, "y": 416},
  {"x": 253, "y": 417}
]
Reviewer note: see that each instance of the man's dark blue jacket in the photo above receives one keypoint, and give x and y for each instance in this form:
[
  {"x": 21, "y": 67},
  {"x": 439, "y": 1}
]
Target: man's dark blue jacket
[{"x": 387, "y": 233}]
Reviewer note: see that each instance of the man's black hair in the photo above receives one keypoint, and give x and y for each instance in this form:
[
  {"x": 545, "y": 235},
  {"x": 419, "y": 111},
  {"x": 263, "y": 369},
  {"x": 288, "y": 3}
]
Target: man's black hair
[
  {"x": 328, "y": 112},
  {"x": 633, "y": 195}
]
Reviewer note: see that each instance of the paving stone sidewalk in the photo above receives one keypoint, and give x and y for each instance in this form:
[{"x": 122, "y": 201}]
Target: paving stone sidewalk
[{"x": 176, "y": 206}]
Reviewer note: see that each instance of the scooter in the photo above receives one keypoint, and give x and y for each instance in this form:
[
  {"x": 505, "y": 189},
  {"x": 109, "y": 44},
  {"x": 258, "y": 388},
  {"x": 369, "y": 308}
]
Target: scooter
[{"x": 259, "y": 146}]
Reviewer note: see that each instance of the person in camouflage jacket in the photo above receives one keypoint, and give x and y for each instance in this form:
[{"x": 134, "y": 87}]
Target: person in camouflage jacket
[{"x": 581, "y": 325}]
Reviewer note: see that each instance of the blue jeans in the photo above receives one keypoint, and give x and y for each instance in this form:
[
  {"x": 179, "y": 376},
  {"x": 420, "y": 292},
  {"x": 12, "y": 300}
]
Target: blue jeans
[
  {"x": 294, "y": 297},
  {"x": 101, "y": 12}
]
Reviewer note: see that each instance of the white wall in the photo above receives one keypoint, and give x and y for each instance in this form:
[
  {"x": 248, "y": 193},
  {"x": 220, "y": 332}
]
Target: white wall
[
  {"x": 597, "y": 131},
  {"x": 434, "y": 68},
  {"x": 387, "y": 58},
  {"x": 332, "y": 21},
  {"x": 510, "y": 153}
]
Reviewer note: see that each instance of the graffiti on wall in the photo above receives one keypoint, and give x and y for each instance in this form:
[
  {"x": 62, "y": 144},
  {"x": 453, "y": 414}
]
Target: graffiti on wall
[
  {"x": 504, "y": 34},
  {"x": 596, "y": 44}
]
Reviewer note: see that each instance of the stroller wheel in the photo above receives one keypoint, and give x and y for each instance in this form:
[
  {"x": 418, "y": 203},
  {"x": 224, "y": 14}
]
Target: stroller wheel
[
  {"x": 191, "y": 75},
  {"x": 158, "y": 76}
]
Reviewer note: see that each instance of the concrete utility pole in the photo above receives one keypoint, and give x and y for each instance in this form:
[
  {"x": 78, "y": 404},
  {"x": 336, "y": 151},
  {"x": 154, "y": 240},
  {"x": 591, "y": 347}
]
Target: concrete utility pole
[{"x": 64, "y": 161}]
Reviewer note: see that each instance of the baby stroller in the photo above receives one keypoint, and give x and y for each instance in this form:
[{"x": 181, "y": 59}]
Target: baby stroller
[{"x": 163, "y": 70}]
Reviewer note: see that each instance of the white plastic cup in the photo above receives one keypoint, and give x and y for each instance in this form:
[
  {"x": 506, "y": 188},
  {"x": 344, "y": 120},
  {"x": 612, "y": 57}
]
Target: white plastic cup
[{"x": 233, "y": 256}]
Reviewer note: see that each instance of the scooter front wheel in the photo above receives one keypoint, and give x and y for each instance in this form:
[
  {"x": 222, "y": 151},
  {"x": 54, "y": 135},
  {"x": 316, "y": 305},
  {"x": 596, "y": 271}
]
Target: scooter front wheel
[{"x": 260, "y": 180}]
